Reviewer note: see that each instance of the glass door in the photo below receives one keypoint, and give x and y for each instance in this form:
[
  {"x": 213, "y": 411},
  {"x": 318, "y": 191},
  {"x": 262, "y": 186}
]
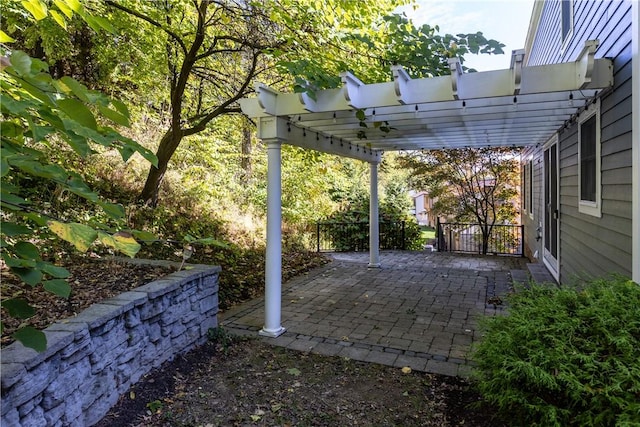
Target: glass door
[{"x": 551, "y": 208}]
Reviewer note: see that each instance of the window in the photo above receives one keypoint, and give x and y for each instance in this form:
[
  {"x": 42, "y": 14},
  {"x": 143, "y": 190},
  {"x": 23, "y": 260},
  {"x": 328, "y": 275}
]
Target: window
[
  {"x": 589, "y": 161},
  {"x": 567, "y": 19},
  {"x": 527, "y": 188}
]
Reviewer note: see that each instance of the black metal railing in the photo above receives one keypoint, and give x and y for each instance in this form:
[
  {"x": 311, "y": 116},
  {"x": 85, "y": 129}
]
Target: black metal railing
[
  {"x": 501, "y": 239},
  {"x": 354, "y": 236}
]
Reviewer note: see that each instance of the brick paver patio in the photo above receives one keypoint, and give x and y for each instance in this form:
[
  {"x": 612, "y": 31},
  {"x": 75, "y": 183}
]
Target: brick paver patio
[{"x": 418, "y": 310}]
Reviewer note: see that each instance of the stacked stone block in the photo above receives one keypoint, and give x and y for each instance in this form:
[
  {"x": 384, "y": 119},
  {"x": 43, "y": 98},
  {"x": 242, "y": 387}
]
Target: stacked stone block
[{"x": 93, "y": 358}]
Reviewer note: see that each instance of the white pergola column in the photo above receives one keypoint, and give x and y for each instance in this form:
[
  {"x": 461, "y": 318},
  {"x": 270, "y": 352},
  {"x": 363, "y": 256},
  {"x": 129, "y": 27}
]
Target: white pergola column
[
  {"x": 374, "y": 230},
  {"x": 273, "y": 263}
]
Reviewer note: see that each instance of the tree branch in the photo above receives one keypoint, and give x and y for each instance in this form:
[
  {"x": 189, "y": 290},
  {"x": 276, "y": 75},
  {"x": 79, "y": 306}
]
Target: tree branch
[
  {"x": 148, "y": 19},
  {"x": 224, "y": 107}
]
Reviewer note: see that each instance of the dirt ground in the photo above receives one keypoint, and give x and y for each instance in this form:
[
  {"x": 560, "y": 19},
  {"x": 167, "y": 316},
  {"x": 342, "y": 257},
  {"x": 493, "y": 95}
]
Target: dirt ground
[{"x": 233, "y": 382}]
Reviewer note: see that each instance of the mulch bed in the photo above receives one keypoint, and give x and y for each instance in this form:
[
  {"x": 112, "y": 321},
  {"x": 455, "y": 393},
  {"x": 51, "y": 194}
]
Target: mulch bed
[{"x": 92, "y": 280}]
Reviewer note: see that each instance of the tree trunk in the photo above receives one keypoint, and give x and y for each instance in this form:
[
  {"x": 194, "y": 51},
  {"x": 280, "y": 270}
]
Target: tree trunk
[
  {"x": 485, "y": 238},
  {"x": 245, "y": 162},
  {"x": 168, "y": 145}
]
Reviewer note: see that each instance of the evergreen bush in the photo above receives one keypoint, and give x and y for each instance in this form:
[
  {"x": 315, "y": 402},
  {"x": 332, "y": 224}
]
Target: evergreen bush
[
  {"x": 353, "y": 235},
  {"x": 565, "y": 356}
]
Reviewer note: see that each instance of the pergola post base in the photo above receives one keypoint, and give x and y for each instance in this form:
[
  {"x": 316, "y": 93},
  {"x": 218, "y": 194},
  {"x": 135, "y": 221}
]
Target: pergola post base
[{"x": 272, "y": 333}]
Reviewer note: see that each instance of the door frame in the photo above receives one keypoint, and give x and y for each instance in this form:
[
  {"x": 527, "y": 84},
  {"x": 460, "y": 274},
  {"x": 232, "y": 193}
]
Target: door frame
[{"x": 552, "y": 263}]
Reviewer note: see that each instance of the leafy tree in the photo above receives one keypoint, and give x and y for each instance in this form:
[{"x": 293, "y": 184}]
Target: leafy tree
[
  {"x": 39, "y": 112},
  {"x": 477, "y": 185},
  {"x": 206, "y": 55},
  {"x": 213, "y": 53},
  {"x": 370, "y": 48},
  {"x": 190, "y": 61}
]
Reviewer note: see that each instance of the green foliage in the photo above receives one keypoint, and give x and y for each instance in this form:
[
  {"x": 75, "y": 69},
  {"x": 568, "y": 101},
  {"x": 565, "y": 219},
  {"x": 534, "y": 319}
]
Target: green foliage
[
  {"x": 31, "y": 337},
  {"x": 369, "y": 47},
  {"x": 395, "y": 222},
  {"x": 242, "y": 276},
  {"x": 565, "y": 357},
  {"x": 424, "y": 52},
  {"x": 189, "y": 62},
  {"x": 221, "y": 337},
  {"x": 39, "y": 111},
  {"x": 155, "y": 406}
]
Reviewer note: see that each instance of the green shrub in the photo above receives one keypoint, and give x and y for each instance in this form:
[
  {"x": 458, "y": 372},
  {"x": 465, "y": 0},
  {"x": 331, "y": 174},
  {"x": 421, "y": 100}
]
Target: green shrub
[
  {"x": 398, "y": 229},
  {"x": 565, "y": 357}
]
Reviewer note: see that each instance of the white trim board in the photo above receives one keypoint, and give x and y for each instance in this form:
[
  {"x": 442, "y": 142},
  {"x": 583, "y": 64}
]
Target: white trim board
[{"x": 635, "y": 144}]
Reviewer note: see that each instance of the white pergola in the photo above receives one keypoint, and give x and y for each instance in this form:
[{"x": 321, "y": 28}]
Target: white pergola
[{"x": 519, "y": 106}]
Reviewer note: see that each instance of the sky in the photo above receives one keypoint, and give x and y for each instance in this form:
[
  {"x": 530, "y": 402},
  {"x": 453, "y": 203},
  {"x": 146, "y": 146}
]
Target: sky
[{"x": 505, "y": 21}]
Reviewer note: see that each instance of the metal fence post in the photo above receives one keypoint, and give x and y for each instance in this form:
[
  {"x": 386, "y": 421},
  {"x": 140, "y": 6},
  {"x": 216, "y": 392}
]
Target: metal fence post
[{"x": 318, "y": 234}]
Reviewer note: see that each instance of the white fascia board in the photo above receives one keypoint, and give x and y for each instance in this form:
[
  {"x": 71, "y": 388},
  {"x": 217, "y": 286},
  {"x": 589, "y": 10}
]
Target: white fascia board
[
  {"x": 567, "y": 76},
  {"x": 282, "y": 130},
  {"x": 410, "y": 91},
  {"x": 374, "y": 95},
  {"x": 486, "y": 84}
]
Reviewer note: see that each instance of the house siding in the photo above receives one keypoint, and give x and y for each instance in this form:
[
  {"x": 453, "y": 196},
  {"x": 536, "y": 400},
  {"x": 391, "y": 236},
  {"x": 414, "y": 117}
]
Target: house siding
[{"x": 589, "y": 245}]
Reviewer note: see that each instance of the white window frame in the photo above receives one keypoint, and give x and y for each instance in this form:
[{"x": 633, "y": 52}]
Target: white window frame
[
  {"x": 588, "y": 207},
  {"x": 530, "y": 189},
  {"x": 565, "y": 39}
]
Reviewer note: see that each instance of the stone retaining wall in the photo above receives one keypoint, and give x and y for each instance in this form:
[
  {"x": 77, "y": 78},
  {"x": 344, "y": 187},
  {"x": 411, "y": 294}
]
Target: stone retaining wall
[{"x": 93, "y": 358}]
